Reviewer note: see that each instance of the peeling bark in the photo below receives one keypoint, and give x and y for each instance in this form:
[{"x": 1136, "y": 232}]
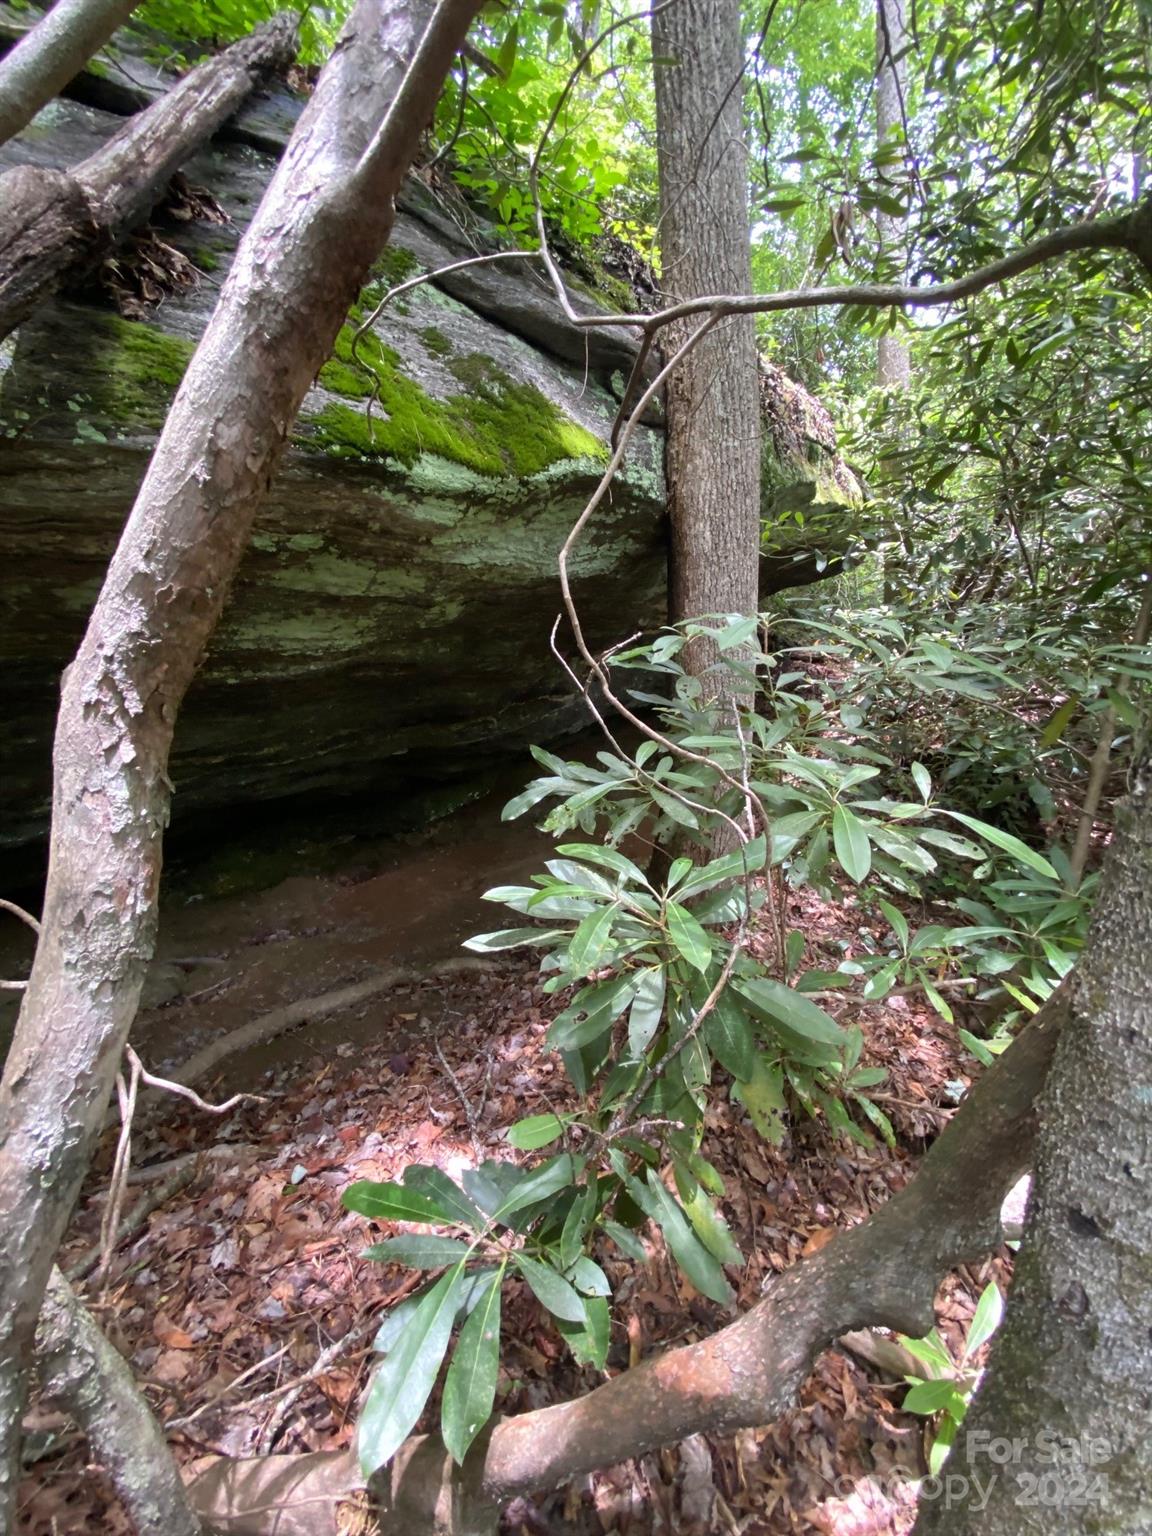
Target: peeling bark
[
  {"x": 80, "y": 1372},
  {"x": 1059, "y": 1438},
  {"x": 324, "y": 217},
  {"x": 57, "y": 48},
  {"x": 53, "y": 221}
]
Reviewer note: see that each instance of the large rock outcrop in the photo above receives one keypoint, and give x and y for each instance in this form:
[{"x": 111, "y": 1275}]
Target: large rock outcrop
[{"x": 390, "y": 621}]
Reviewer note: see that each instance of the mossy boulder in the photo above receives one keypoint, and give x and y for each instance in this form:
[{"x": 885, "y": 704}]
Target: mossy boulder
[{"x": 389, "y": 625}]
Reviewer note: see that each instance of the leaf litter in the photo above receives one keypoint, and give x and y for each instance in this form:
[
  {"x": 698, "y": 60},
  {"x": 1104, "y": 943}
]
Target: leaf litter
[{"x": 247, "y": 1311}]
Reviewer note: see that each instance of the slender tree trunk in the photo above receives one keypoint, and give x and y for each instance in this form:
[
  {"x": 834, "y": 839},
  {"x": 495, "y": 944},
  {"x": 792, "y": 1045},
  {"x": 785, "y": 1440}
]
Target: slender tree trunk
[
  {"x": 713, "y": 405},
  {"x": 51, "y": 221},
  {"x": 323, "y": 219},
  {"x": 57, "y": 48},
  {"x": 893, "y": 365},
  {"x": 80, "y": 1372},
  {"x": 1102, "y": 757},
  {"x": 1059, "y": 1438}
]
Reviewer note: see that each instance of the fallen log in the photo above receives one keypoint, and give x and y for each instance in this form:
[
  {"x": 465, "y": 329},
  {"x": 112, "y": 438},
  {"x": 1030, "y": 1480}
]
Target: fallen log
[{"x": 52, "y": 222}]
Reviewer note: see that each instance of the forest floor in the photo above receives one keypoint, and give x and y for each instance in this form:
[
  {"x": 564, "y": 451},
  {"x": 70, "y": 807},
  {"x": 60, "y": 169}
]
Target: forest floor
[{"x": 247, "y": 1312}]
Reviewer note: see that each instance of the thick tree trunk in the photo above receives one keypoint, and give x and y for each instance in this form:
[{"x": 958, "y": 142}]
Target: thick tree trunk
[
  {"x": 712, "y": 401},
  {"x": 1059, "y": 1438},
  {"x": 80, "y": 1372},
  {"x": 323, "y": 219},
  {"x": 51, "y": 221},
  {"x": 893, "y": 365},
  {"x": 57, "y": 48}
]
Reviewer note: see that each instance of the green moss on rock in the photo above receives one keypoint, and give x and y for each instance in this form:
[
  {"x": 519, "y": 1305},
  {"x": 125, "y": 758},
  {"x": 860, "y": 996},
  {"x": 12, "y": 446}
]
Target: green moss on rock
[
  {"x": 436, "y": 342},
  {"x": 141, "y": 368},
  {"x": 494, "y": 427}
]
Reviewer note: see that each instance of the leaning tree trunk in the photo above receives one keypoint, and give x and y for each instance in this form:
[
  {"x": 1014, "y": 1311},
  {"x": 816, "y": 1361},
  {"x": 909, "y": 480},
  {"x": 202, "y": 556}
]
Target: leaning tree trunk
[
  {"x": 51, "y": 221},
  {"x": 1059, "y": 1438},
  {"x": 893, "y": 365},
  {"x": 79, "y": 1371},
  {"x": 57, "y": 48},
  {"x": 323, "y": 219},
  {"x": 712, "y": 401}
]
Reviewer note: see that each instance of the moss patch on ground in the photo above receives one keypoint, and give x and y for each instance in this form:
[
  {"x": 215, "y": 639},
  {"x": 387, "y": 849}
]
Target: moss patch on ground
[{"x": 495, "y": 426}]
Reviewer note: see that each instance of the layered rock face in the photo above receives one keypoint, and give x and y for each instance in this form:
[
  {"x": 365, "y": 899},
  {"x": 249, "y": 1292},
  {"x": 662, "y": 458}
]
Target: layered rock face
[{"x": 390, "y": 622}]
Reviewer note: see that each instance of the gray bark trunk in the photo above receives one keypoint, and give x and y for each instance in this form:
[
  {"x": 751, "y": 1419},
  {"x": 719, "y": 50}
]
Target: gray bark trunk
[
  {"x": 1059, "y": 1438},
  {"x": 324, "y": 217},
  {"x": 893, "y": 365},
  {"x": 51, "y": 221},
  {"x": 57, "y": 48},
  {"x": 80, "y": 1372},
  {"x": 712, "y": 402}
]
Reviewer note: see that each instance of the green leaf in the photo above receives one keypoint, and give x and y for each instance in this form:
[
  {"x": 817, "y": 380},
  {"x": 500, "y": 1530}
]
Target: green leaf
[
  {"x": 647, "y": 1009},
  {"x": 923, "y": 781},
  {"x": 470, "y": 1386},
  {"x": 682, "y": 814},
  {"x": 1007, "y": 842},
  {"x": 393, "y": 1202},
  {"x": 403, "y": 1381},
  {"x": 394, "y": 1323},
  {"x": 549, "y": 1179},
  {"x": 683, "y": 1244},
  {"x": 689, "y": 938},
  {"x": 592, "y": 1012},
  {"x": 985, "y": 1319},
  {"x": 897, "y": 921},
  {"x": 589, "y": 1278},
  {"x": 1057, "y": 722},
  {"x": 422, "y": 1250},
  {"x": 551, "y": 1289},
  {"x": 446, "y": 1193},
  {"x": 711, "y": 1228},
  {"x": 626, "y": 1241},
  {"x": 928, "y": 1397},
  {"x": 591, "y": 940},
  {"x": 513, "y": 938},
  {"x": 576, "y": 1225},
  {"x": 589, "y": 1340},
  {"x": 729, "y": 1036},
  {"x": 592, "y": 853},
  {"x": 730, "y": 866},
  {"x": 763, "y": 1097},
  {"x": 780, "y": 1004},
  {"x": 850, "y": 840},
  {"x": 538, "y": 1130}
]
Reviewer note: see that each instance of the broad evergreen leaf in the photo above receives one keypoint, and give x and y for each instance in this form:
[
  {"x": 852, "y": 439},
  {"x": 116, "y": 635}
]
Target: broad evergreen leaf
[
  {"x": 689, "y": 938},
  {"x": 729, "y": 1036},
  {"x": 589, "y": 1339},
  {"x": 1006, "y": 841},
  {"x": 730, "y": 866},
  {"x": 850, "y": 840},
  {"x": 396, "y": 1319},
  {"x": 549, "y": 1179},
  {"x": 538, "y": 1131},
  {"x": 610, "y": 858},
  {"x": 781, "y": 1004},
  {"x": 592, "y": 940},
  {"x": 421, "y": 1250},
  {"x": 647, "y": 1009},
  {"x": 470, "y": 1385},
  {"x": 445, "y": 1193},
  {"x": 513, "y": 938},
  {"x": 551, "y": 1289},
  {"x": 393, "y": 1202},
  {"x": 402, "y": 1382}
]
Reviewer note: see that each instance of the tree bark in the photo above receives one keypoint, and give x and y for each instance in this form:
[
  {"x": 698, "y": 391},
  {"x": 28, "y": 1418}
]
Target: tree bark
[
  {"x": 58, "y": 47},
  {"x": 1059, "y": 1438},
  {"x": 893, "y": 364},
  {"x": 712, "y": 401},
  {"x": 323, "y": 219},
  {"x": 80, "y": 1372},
  {"x": 51, "y": 221}
]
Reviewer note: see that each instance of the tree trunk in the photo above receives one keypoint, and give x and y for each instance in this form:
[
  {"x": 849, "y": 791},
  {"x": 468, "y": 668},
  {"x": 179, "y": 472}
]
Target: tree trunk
[
  {"x": 893, "y": 365},
  {"x": 51, "y": 221},
  {"x": 1059, "y": 1438},
  {"x": 57, "y": 48},
  {"x": 323, "y": 219},
  {"x": 80, "y": 1372},
  {"x": 1102, "y": 757},
  {"x": 712, "y": 401}
]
